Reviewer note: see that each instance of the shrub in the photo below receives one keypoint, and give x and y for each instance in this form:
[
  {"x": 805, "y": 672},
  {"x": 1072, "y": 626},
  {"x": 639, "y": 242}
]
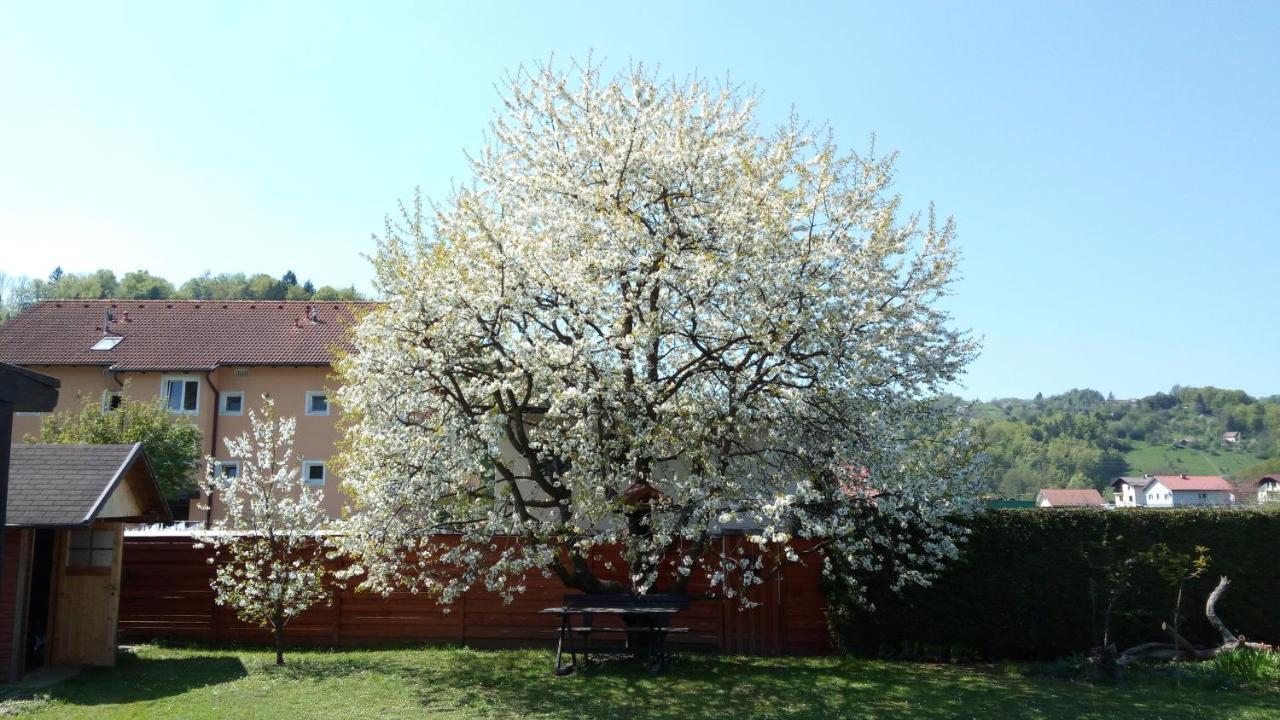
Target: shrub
[
  {"x": 1248, "y": 666},
  {"x": 1033, "y": 584}
]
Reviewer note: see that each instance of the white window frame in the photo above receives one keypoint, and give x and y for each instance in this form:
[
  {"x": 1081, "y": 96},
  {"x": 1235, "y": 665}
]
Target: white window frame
[
  {"x": 165, "y": 380},
  {"x": 219, "y": 466},
  {"x": 306, "y": 473},
  {"x": 222, "y": 403},
  {"x": 106, "y": 342},
  {"x": 316, "y": 393},
  {"x": 106, "y": 398}
]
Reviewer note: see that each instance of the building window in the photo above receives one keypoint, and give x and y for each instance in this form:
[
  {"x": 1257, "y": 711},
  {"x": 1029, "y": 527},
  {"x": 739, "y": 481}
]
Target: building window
[
  {"x": 107, "y": 342},
  {"x": 111, "y": 400},
  {"x": 227, "y": 468},
  {"x": 232, "y": 403},
  {"x": 181, "y": 395},
  {"x": 317, "y": 402},
  {"x": 91, "y": 548},
  {"x": 313, "y": 472}
]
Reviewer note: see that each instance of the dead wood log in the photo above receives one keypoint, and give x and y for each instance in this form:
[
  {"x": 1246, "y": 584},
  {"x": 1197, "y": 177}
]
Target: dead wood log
[
  {"x": 1229, "y": 640},
  {"x": 1185, "y": 645},
  {"x": 1211, "y": 612},
  {"x": 1181, "y": 646},
  {"x": 1147, "y": 651},
  {"x": 1181, "y": 642}
]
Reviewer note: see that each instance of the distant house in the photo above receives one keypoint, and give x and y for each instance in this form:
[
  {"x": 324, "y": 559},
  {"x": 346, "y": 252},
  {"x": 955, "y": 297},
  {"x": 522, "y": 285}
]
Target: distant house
[
  {"x": 1166, "y": 491},
  {"x": 1067, "y": 497},
  {"x": 1232, "y": 437},
  {"x": 1269, "y": 488}
]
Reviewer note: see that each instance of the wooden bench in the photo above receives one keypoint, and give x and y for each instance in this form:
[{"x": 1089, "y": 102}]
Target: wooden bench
[{"x": 645, "y": 623}]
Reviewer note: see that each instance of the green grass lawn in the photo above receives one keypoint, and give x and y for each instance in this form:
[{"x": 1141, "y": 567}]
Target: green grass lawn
[
  {"x": 165, "y": 682},
  {"x": 1167, "y": 460}
]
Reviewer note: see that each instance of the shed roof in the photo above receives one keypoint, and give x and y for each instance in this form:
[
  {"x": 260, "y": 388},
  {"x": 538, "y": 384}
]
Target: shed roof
[
  {"x": 69, "y": 485},
  {"x": 1071, "y": 497},
  {"x": 27, "y": 390},
  {"x": 178, "y": 334}
]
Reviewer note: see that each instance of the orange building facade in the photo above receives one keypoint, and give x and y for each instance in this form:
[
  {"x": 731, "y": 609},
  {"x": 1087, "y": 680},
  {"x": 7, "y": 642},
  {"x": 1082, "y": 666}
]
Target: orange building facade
[{"x": 243, "y": 351}]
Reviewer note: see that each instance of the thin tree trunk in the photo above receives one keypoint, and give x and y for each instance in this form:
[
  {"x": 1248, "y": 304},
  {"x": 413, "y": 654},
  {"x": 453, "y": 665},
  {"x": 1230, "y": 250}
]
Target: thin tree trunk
[
  {"x": 1211, "y": 612},
  {"x": 277, "y": 634}
]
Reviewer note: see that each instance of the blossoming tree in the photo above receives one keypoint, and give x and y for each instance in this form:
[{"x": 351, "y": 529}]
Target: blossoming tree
[
  {"x": 269, "y": 547},
  {"x": 643, "y": 321}
]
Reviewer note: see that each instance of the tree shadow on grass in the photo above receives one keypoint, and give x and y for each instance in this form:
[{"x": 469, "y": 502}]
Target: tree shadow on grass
[
  {"x": 135, "y": 679},
  {"x": 459, "y": 682},
  {"x": 715, "y": 686}
]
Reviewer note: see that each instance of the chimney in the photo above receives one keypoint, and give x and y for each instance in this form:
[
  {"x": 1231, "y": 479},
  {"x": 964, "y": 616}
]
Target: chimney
[
  {"x": 126, "y": 316},
  {"x": 313, "y": 314}
]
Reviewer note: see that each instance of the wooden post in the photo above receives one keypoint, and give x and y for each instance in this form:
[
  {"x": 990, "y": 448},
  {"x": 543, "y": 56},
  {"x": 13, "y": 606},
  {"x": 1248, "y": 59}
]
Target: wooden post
[
  {"x": 724, "y": 604},
  {"x": 213, "y": 613},
  {"x": 462, "y": 619},
  {"x": 28, "y": 391},
  {"x": 6, "y": 439},
  {"x": 337, "y": 620}
]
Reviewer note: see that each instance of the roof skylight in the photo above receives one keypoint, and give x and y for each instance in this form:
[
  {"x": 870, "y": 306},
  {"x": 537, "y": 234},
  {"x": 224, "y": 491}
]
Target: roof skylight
[{"x": 107, "y": 342}]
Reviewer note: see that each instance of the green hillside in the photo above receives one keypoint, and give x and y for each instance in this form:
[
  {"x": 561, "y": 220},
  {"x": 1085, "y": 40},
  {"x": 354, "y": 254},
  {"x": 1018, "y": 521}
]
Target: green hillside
[
  {"x": 1166, "y": 459},
  {"x": 1083, "y": 439}
]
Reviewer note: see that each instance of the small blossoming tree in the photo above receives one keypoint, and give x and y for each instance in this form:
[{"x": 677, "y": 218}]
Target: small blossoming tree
[
  {"x": 647, "y": 320},
  {"x": 269, "y": 548}
]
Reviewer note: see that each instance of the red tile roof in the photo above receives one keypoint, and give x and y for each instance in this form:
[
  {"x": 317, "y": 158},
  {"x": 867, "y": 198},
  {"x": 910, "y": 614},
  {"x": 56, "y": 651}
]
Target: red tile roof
[
  {"x": 1064, "y": 497},
  {"x": 178, "y": 334},
  {"x": 1195, "y": 482}
]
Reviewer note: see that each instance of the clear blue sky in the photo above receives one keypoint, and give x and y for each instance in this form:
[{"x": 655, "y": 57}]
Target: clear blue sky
[{"x": 1114, "y": 168}]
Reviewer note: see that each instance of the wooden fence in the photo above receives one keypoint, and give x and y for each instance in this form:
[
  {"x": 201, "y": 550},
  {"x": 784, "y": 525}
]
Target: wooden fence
[{"x": 166, "y": 594}]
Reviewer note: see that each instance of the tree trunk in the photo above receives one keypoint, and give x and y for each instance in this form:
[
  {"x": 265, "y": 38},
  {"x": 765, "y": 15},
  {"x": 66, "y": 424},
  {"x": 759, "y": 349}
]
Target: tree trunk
[
  {"x": 1211, "y": 612},
  {"x": 277, "y": 633}
]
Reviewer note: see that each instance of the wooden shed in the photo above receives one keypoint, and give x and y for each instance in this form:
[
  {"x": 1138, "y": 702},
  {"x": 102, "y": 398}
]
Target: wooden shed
[{"x": 60, "y": 592}]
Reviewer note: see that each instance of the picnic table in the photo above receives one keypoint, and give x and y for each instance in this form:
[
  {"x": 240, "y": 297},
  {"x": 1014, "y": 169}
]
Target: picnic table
[{"x": 645, "y": 618}]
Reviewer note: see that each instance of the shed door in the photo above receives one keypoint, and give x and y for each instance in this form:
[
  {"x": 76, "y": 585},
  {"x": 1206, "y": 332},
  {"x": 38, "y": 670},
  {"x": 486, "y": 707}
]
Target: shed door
[{"x": 87, "y": 596}]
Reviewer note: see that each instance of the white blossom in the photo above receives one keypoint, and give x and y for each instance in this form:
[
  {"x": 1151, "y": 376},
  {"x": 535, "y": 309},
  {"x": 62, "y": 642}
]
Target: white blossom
[
  {"x": 268, "y": 543},
  {"x": 642, "y": 290}
]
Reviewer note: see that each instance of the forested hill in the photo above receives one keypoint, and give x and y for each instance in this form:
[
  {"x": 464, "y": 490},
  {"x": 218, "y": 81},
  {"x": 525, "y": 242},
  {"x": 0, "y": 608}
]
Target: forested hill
[{"x": 1082, "y": 438}]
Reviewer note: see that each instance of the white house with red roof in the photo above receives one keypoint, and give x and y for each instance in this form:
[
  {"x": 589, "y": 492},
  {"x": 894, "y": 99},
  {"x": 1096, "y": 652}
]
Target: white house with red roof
[{"x": 1168, "y": 491}]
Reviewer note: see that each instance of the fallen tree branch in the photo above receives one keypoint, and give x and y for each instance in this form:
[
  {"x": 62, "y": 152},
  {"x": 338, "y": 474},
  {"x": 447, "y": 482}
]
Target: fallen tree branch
[
  {"x": 1210, "y": 611},
  {"x": 1181, "y": 646},
  {"x": 1181, "y": 642},
  {"x": 1147, "y": 651}
]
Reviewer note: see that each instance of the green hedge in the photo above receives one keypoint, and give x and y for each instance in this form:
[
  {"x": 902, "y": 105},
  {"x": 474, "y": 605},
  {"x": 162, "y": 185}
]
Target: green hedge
[{"x": 1032, "y": 584}]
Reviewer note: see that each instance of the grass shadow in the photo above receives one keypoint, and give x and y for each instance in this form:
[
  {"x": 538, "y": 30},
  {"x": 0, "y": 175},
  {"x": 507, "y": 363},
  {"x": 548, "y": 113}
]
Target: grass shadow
[
  {"x": 466, "y": 683},
  {"x": 716, "y": 686},
  {"x": 135, "y": 679}
]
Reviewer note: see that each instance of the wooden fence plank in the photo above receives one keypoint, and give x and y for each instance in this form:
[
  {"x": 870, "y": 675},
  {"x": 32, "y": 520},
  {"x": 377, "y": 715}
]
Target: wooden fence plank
[{"x": 166, "y": 594}]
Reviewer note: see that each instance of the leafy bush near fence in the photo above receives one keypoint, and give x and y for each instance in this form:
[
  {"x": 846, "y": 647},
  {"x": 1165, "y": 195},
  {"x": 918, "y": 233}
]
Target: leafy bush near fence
[{"x": 1033, "y": 584}]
